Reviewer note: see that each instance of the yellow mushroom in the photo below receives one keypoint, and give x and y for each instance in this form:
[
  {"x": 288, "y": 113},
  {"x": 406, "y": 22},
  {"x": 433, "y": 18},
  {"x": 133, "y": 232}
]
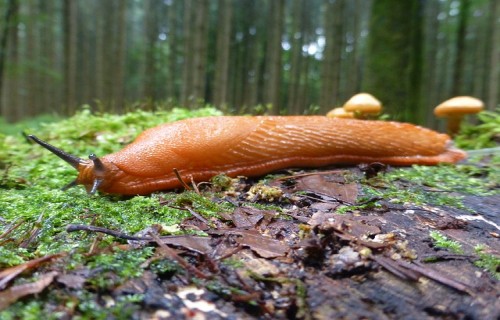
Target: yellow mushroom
[
  {"x": 340, "y": 113},
  {"x": 455, "y": 108},
  {"x": 363, "y": 105}
]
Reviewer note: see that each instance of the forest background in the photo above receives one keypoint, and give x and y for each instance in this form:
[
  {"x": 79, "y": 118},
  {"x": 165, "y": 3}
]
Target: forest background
[{"x": 275, "y": 56}]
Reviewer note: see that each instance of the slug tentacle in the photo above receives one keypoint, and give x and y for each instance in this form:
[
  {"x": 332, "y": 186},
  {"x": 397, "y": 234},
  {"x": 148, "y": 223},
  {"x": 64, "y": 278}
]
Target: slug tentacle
[
  {"x": 95, "y": 185},
  {"x": 98, "y": 165},
  {"x": 74, "y": 161}
]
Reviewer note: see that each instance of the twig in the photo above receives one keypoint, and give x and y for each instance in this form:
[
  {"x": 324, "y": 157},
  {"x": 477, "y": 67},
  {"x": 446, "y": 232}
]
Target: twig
[
  {"x": 201, "y": 218},
  {"x": 436, "y": 276},
  {"x": 34, "y": 232},
  {"x": 406, "y": 270},
  {"x": 184, "y": 184},
  {"x": 320, "y": 173},
  {"x": 393, "y": 267},
  {"x": 116, "y": 234},
  {"x": 12, "y": 228}
]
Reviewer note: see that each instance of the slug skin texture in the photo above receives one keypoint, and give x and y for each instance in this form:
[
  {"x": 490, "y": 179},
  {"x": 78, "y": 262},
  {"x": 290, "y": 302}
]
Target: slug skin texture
[{"x": 200, "y": 148}]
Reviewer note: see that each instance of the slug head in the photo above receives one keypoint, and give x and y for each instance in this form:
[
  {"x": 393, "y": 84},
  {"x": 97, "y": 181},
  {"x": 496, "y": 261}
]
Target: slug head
[{"x": 95, "y": 174}]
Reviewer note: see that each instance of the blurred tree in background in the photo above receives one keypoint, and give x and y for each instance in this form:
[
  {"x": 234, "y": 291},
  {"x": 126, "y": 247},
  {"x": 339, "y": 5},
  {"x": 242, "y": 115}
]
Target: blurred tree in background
[{"x": 290, "y": 56}]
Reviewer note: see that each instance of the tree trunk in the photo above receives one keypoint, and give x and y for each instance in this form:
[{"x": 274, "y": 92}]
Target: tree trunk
[
  {"x": 187, "y": 74},
  {"x": 121, "y": 54},
  {"x": 9, "y": 31},
  {"x": 70, "y": 53},
  {"x": 393, "y": 63},
  {"x": 327, "y": 95},
  {"x": 430, "y": 74},
  {"x": 274, "y": 55},
  {"x": 100, "y": 56},
  {"x": 150, "y": 36},
  {"x": 50, "y": 95},
  {"x": 173, "y": 71},
  {"x": 458, "y": 70},
  {"x": 200, "y": 51},
  {"x": 494, "y": 76},
  {"x": 296, "y": 40},
  {"x": 222, "y": 53}
]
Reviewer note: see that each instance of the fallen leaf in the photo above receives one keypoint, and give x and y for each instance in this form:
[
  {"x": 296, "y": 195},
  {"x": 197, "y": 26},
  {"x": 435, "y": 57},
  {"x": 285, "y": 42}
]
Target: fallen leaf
[
  {"x": 10, "y": 273},
  {"x": 246, "y": 217},
  {"x": 264, "y": 246},
  {"x": 331, "y": 186},
  {"x": 72, "y": 281},
  {"x": 194, "y": 243},
  {"x": 11, "y": 295}
]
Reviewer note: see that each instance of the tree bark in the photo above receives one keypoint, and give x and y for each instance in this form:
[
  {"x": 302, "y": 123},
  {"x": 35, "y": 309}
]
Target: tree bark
[
  {"x": 187, "y": 74},
  {"x": 460, "y": 50},
  {"x": 274, "y": 56},
  {"x": 121, "y": 54},
  {"x": 172, "y": 91},
  {"x": 200, "y": 52},
  {"x": 9, "y": 31},
  {"x": 328, "y": 77},
  {"x": 296, "y": 41},
  {"x": 150, "y": 35},
  {"x": 222, "y": 53},
  {"x": 494, "y": 76},
  {"x": 70, "y": 54},
  {"x": 393, "y": 64}
]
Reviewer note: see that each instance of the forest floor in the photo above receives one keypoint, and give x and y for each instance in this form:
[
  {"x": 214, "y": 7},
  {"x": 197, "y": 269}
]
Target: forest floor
[
  {"x": 364, "y": 242},
  {"x": 386, "y": 260}
]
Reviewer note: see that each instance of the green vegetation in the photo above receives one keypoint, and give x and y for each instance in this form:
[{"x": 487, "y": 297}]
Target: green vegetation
[
  {"x": 26, "y": 124},
  {"x": 441, "y": 241},
  {"x": 484, "y": 135},
  {"x": 484, "y": 260},
  {"x": 488, "y": 261},
  {"x": 435, "y": 185}
]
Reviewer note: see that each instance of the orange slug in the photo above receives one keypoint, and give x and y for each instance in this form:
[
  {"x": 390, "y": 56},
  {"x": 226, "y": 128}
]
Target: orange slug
[{"x": 201, "y": 148}]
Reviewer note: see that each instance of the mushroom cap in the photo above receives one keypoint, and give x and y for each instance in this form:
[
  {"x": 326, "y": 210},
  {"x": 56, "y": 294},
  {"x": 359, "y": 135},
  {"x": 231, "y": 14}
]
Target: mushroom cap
[
  {"x": 363, "y": 103},
  {"x": 340, "y": 113},
  {"x": 459, "y": 106}
]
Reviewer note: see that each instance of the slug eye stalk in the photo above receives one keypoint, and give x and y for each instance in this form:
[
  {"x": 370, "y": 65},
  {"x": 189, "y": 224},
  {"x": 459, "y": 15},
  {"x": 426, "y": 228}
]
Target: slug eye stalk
[
  {"x": 74, "y": 161},
  {"x": 98, "y": 167}
]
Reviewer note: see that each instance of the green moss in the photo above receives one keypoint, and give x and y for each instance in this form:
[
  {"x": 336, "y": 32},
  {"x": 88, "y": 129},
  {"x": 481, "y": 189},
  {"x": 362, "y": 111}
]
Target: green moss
[
  {"x": 444, "y": 184},
  {"x": 441, "y": 241},
  {"x": 233, "y": 262},
  {"x": 488, "y": 261},
  {"x": 12, "y": 256},
  {"x": 117, "y": 267},
  {"x": 481, "y": 135},
  {"x": 165, "y": 267}
]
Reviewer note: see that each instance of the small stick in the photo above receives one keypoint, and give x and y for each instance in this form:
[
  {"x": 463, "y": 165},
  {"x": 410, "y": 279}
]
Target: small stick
[
  {"x": 12, "y": 228},
  {"x": 184, "y": 184},
  {"x": 116, "y": 234},
  {"x": 200, "y": 217},
  {"x": 319, "y": 173}
]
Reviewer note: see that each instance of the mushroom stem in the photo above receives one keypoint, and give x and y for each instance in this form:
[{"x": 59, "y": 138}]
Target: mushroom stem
[{"x": 453, "y": 125}]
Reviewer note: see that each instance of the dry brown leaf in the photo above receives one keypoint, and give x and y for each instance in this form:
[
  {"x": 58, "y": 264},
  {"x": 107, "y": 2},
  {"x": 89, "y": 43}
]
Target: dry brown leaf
[
  {"x": 330, "y": 186},
  {"x": 11, "y": 295}
]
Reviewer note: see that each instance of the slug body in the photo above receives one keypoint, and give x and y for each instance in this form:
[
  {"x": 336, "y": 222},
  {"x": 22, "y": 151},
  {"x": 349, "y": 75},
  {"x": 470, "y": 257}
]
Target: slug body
[{"x": 201, "y": 148}]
